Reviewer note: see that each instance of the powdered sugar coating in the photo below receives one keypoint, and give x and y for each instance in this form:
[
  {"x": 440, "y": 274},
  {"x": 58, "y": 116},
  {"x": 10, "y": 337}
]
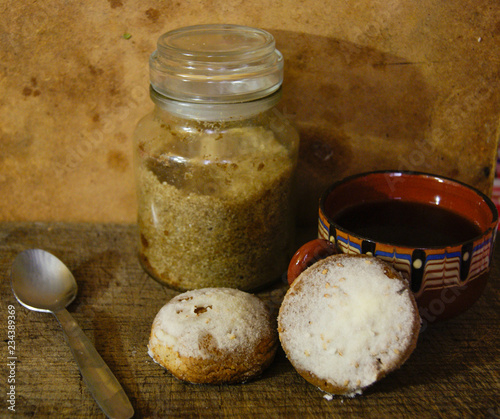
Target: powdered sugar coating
[
  {"x": 346, "y": 322},
  {"x": 232, "y": 321}
]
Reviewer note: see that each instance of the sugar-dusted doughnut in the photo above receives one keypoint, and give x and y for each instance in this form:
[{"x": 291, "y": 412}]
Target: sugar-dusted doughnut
[{"x": 214, "y": 335}]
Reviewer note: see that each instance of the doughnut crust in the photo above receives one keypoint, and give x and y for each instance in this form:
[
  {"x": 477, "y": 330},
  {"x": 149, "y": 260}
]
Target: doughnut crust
[
  {"x": 347, "y": 321},
  {"x": 214, "y": 336}
]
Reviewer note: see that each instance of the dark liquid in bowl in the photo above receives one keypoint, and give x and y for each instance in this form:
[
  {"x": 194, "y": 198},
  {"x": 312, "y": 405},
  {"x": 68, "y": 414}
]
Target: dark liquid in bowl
[{"x": 407, "y": 224}]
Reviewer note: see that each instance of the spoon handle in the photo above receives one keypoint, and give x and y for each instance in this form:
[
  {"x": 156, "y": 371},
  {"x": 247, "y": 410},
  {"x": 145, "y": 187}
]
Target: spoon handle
[{"x": 105, "y": 388}]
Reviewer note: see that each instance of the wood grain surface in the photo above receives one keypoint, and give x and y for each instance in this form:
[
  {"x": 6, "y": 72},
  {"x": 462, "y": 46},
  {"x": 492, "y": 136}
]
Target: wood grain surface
[{"x": 454, "y": 371}]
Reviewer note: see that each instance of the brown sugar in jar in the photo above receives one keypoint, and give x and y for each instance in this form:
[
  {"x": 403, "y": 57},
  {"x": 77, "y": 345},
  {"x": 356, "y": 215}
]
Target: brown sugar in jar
[{"x": 215, "y": 162}]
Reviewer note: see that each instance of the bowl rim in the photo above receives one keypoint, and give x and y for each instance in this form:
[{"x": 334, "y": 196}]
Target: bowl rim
[{"x": 410, "y": 173}]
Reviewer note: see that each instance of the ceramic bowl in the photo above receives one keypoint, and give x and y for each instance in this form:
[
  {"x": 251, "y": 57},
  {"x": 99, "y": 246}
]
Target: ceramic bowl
[{"x": 446, "y": 276}]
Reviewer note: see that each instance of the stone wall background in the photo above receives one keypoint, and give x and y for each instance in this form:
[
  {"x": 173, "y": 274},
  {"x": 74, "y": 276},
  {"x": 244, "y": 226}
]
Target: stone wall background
[{"x": 371, "y": 84}]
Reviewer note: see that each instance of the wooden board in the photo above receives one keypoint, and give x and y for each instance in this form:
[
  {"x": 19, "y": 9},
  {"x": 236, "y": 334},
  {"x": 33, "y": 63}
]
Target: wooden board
[{"x": 454, "y": 371}]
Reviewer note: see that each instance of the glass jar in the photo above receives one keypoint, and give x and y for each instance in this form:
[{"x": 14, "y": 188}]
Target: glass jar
[{"x": 215, "y": 161}]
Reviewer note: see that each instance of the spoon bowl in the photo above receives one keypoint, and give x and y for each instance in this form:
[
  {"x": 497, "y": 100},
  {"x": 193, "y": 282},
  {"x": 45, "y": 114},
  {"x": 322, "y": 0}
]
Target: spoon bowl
[{"x": 41, "y": 282}]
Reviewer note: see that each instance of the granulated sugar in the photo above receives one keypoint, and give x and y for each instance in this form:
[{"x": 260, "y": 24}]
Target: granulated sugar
[{"x": 218, "y": 223}]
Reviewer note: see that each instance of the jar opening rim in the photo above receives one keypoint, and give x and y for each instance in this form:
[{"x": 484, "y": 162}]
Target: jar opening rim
[{"x": 224, "y": 63}]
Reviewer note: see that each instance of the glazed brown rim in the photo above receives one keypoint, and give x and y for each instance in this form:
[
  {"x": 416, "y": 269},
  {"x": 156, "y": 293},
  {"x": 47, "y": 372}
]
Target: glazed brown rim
[{"x": 408, "y": 173}]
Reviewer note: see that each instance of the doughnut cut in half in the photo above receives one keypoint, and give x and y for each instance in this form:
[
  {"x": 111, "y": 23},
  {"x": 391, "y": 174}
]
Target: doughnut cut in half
[{"x": 347, "y": 321}]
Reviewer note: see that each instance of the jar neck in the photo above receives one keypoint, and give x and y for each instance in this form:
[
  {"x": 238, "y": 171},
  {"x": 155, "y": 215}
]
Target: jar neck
[{"x": 210, "y": 111}]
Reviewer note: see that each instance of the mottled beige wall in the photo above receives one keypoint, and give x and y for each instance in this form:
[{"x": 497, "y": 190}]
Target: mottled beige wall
[{"x": 370, "y": 84}]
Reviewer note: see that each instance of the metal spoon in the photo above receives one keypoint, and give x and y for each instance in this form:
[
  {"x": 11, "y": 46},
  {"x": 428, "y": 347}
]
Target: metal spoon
[{"x": 41, "y": 282}]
